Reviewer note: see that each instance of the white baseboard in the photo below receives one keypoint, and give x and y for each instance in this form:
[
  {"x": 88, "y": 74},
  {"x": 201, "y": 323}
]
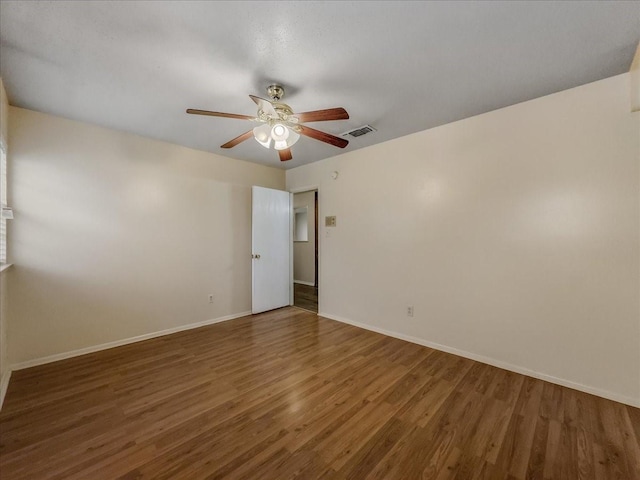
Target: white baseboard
[
  {"x": 635, "y": 402},
  {"x": 4, "y": 384},
  {"x": 118, "y": 343},
  {"x": 311, "y": 284}
]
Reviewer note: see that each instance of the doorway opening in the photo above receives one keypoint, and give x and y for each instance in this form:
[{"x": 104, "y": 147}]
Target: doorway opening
[{"x": 305, "y": 250}]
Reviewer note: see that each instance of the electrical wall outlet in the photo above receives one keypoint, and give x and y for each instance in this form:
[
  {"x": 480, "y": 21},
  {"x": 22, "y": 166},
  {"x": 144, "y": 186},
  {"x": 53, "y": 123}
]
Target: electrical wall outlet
[
  {"x": 410, "y": 311},
  {"x": 211, "y": 298}
]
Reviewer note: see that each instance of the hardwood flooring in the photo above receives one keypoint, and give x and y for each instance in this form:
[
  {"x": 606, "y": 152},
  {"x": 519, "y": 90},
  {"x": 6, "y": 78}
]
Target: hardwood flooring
[
  {"x": 289, "y": 395},
  {"x": 305, "y": 296}
]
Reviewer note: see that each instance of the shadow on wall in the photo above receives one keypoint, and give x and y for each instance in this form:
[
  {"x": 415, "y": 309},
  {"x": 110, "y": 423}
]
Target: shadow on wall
[{"x": 238, "y": 269}]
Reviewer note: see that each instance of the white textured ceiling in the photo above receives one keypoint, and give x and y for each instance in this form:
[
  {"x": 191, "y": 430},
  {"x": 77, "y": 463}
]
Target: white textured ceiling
[{"x": 400, "y": 66}]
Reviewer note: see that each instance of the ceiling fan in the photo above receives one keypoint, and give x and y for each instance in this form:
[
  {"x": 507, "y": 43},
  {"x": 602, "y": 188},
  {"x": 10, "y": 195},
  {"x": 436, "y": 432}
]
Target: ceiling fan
[{"x": 281, "y": 128}]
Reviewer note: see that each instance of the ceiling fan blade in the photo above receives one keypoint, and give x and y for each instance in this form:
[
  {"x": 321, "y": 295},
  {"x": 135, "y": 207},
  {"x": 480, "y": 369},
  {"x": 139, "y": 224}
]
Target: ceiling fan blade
[
  {"x": 338, "y": 113},
  {"x": 323, "y": 137},
  {"x": 285, "y": 154},
  {"x": 264, "y": 105},
  {"x": 238, "y": 139},
  {"x": 219, "y": 114}
]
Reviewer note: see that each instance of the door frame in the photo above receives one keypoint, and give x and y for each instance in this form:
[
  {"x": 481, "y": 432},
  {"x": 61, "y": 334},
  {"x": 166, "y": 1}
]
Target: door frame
[{"x": 308, "y": 188}]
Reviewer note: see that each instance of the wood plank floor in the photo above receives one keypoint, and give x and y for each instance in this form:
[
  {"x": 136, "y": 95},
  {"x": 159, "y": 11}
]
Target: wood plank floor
[{"x": 289, "y": 395}]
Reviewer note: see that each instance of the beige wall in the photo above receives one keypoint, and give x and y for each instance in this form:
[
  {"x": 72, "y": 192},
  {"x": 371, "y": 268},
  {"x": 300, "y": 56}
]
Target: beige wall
[
  {"x": 304, "y": 253},
  {"x": 4, "y": 354},
  {"x": 634, "y": 72},
  {"x": 514, "y": 234},
  {"x": 4, "y": 112},
  {"x": 4, "y": 361},
  {"x": 117, "y": 236}
]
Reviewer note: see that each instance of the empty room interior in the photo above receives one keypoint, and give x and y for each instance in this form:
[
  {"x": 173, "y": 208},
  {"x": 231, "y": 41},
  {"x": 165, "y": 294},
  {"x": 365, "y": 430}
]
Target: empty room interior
[{"x": 320, "y": 240}]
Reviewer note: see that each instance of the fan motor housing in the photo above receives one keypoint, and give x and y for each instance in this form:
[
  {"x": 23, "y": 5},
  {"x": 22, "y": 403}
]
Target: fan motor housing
[
  {"x": 284, "y": 110},
  {"x": 275, "y": 91}
]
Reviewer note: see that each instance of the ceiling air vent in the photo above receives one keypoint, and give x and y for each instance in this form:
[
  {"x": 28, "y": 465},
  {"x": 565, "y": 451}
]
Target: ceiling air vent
[{"x": 358, "y": 132}]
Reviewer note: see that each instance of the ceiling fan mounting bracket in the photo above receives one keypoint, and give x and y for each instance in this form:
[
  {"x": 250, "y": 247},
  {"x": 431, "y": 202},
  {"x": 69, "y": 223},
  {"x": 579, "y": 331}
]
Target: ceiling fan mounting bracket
[{"x": 275, "y": 91}]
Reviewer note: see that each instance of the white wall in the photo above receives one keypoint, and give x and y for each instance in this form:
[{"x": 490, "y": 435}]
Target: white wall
[
  {"x": 515, "y": 235},
  {"x": 304, "y": 253},
  {"x": 117, "y": 235}
]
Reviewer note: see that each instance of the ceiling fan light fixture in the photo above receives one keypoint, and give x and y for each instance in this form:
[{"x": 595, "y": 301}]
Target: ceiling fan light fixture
[
  {"x": 262, "y": 134},
  {"x": 279, "y": 132},
  {"x": 282, "y": 136},
  {"x": 290, "y": 139},
  {"x": 293, "y": 138},
  {"x": 280, "y": 145}
]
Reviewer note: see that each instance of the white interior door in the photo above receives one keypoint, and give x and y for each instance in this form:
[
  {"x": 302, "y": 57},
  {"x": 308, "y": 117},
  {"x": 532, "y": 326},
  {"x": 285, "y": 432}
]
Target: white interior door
[{"x": 271, "y": 245}]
